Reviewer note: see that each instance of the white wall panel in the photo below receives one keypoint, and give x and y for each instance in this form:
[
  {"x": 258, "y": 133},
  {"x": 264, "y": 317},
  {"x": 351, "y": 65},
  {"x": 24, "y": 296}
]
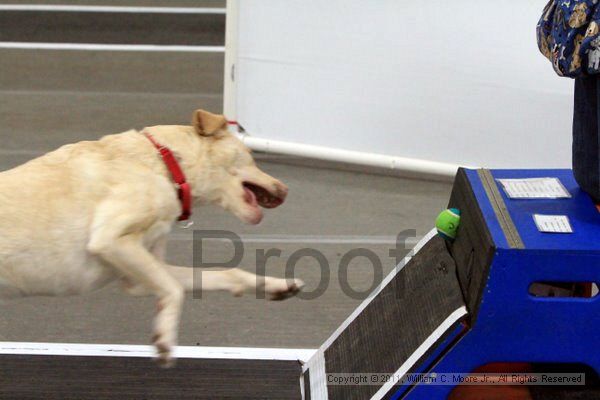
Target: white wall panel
[{"x": 455, "y": 81}]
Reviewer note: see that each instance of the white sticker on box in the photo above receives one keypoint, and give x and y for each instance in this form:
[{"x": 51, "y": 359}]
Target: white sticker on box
[
  {"x": 553, "y": 223},
  {"x": 534, "y": 188}
]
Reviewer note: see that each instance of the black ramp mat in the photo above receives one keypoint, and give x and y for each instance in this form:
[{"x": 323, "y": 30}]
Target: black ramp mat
[
  {"x": 397, "y": 321},
  {"x": 473, "y": 248},
  {"x": 120, "y": 378}
]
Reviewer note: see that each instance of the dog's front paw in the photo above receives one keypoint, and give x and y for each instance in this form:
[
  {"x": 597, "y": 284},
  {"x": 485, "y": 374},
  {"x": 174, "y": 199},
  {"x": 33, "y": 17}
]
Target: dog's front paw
[
  {"x": 164, "y": 351},
  {"x": 281, "y": 289}
]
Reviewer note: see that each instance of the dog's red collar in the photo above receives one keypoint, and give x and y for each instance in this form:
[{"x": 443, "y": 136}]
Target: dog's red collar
[{"x": 183, "y": 188}]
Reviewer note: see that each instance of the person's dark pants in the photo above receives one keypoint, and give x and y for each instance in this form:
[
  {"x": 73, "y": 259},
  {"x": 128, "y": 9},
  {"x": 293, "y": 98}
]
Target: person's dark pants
[{"x": 586, "y": 137}]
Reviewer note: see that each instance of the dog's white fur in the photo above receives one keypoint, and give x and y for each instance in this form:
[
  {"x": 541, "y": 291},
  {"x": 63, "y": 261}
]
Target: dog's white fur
[{"x": 89, "y": 213}]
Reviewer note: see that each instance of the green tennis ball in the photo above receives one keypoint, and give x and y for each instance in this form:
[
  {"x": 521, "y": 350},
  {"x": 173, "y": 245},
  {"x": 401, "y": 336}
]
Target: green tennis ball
[{"x": 447, "y": 223}]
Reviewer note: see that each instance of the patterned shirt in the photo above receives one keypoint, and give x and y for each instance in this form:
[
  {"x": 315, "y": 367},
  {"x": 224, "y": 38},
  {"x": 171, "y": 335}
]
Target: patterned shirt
[{"x": 568, "y": 34}]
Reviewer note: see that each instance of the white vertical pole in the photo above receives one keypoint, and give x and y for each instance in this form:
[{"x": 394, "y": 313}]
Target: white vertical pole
[{"x": 231, "y": 45}]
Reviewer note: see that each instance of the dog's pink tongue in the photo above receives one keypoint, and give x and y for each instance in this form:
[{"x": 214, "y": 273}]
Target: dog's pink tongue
[{"x": 250, "y": 197}]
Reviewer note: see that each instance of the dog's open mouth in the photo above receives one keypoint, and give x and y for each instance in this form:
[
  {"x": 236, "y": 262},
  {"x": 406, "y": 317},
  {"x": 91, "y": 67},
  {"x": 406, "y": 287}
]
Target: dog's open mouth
[{"x": 258, "y": 195}]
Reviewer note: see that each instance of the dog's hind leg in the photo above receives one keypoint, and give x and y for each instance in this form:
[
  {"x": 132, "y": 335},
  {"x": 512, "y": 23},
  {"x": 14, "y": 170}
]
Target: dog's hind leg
[
  {"x": 233, "y": 280},
  {"x": 236, "y": 281}
]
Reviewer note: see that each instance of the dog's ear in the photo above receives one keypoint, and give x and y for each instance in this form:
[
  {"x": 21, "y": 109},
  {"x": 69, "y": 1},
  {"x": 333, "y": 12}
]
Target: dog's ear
[{"x": 208, "y": 124}]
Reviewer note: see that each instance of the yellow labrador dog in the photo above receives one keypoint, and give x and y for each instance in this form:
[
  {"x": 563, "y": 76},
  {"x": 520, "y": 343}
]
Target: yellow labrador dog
[{"x": 92, "y": 212}]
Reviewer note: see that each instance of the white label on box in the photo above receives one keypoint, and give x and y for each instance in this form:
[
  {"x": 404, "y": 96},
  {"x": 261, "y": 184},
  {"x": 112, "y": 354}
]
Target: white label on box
[
  {"x": 553, "y": 223},
  {"x": 534, "y": 188}
]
